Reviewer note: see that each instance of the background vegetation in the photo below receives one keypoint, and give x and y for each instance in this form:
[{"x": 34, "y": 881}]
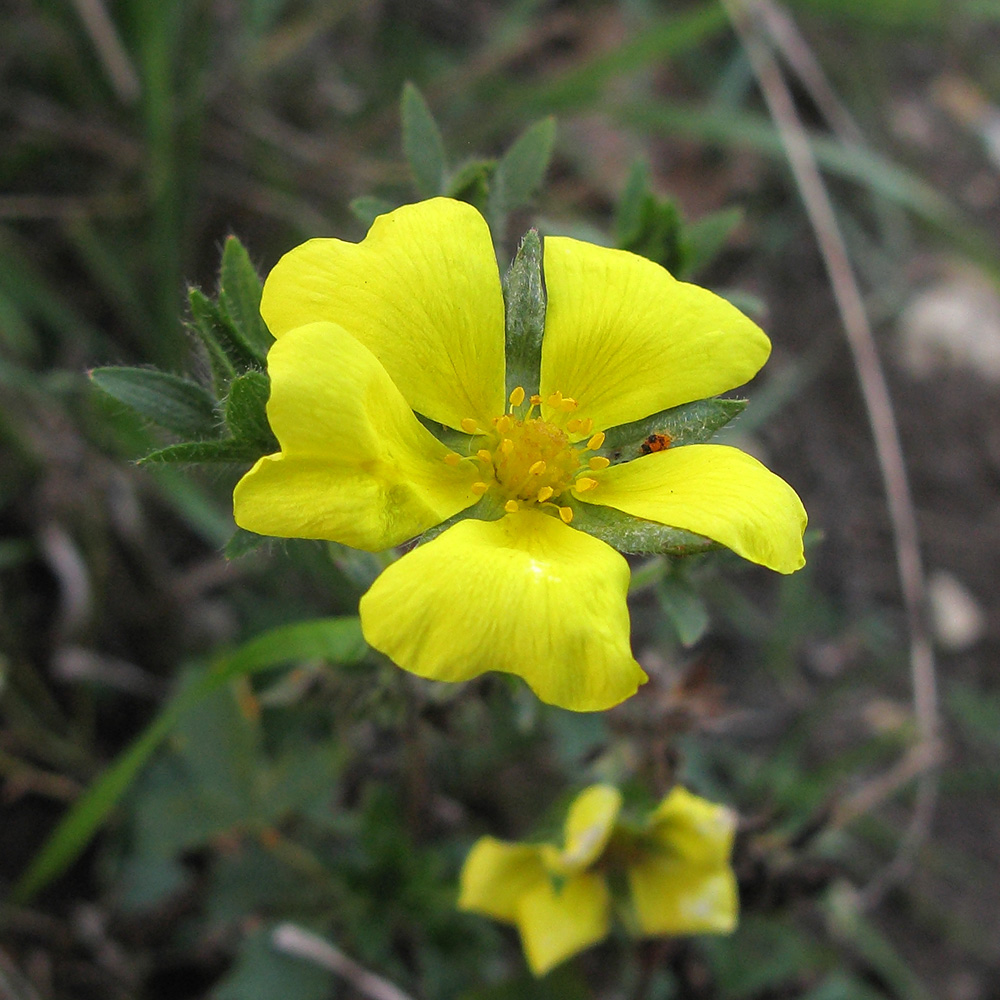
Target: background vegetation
[{"x": 339, "y": 794}]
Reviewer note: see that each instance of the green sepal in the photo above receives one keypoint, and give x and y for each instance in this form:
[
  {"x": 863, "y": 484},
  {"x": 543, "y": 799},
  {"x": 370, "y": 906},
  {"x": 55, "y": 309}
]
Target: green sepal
[
  {"x": 690, "y": 423},
  {"x": 423, "y": 146},
  {"x": 239, "y": 298},
  {"x": 243, "y": 542},
  {"x": 213, "y": 329},
  {"x": 367, "y": 208},
  {"x": 524, "y": 306},
  {"x": 519, "y": 174},
  {"x": 245, "y": 411},
  {"x": 633, "y": 534},
  {"x": 229, "y": 450},
  {"x": 169, "y": 401},
  {"x": 489, "y": 508}
]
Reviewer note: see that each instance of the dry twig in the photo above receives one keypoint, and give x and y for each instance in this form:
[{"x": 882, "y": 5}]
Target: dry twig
[
  {"x": 294, "y": 940},
  {"x": 881, "y": 418}
]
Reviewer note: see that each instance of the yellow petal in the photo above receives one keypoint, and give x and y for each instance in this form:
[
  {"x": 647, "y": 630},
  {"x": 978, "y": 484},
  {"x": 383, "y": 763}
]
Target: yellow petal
[
  {"x": 557, "y": 921},
  {"x": 496, "y": 875},
  {"x": 683, "y": 884},
  {"x": 355, "y": 465},
  {"x": 694, "y": 829},
  {"x": 625, "y": 339},
  {"x": 526, "y": 595},
  {"x": 671, "y": 897},
  {"x": 421, "y": 291},
  {"x": 712, "y": 490},
  {"x": 589, "y": 823}
]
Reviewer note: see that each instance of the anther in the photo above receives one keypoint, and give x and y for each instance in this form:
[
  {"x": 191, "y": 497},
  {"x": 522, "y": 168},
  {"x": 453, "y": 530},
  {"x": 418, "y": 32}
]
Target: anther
[
  {"x": 584, "y": 483},
  {"x": 469, "y": 425},
  {"x": 483, "y": 455},
  {"x": 566, "y": 513},
  {"x": 544, "y": 493},
  {"x": 504, "y": 424},
  {"x": 537, "y": 468},
  {"x": 574, "y": 425},
  {"x": 511, "y": 506},
  {"x": 568, "y": 405},
  {"x": 555, "y": 400},
  {"x": 596, "y": 441},
  {"x": 536, "y": 400},
  {"x": 587, "y": 426},
  {"x": 453, "y": 458},
  {"x": 517, "y": 396},
  {"x": 479, "y": 488},
  {"x": 506, "y": 446},
  {"x": 599, "y": 462}
]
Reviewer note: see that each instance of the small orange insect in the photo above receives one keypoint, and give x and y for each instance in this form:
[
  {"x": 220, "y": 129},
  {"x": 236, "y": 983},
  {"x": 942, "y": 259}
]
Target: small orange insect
[{"x": 655, "y": 442}]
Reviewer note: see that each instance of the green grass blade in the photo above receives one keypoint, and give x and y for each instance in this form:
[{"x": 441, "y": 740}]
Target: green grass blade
[{"x": 337, "y": 640}]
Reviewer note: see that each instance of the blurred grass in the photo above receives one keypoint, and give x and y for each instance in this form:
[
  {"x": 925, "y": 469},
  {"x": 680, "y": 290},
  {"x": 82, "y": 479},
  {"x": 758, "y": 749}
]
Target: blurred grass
[{"x": 269, "y": 118}]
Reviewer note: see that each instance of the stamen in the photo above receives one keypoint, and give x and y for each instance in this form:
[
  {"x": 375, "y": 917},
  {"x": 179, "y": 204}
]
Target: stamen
[
  {"x": 469, "y": 425},
  {"x": 511, "y": 506},
  {"x": 506, "y": 446},
  {"x": 566, "y": 513},
  {"x": 596, "y": 441},
  {"x": 587, "y": 426},
  {"x": 599, "y": 462},
  {"x": 568, "y": 405},
  {"x": 584, "y": 483},
  {"x": 544, "y": 493},
  {"x": 504, "y": 424},
  {"x": 483, "y": 455},
  {"x": 536, "y": 400},
  {"x": 453, "y": 458},
  {"x": 479, "y": 488},
  {"x": 537, "y": 469},
  {"x": 517, "y": 396},
  {"x": 574, "y": 425},
  {"x": 555, "y": 400}
]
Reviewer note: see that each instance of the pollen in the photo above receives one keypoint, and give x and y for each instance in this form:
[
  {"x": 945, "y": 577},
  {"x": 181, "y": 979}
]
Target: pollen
[
  {"x": 517, "y": 396},
  {"x": 598, "y": 462},
  {"x": 469, "y": 425}
]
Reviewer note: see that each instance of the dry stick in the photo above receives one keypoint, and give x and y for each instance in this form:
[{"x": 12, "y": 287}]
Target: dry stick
[
  {"x": 291, "y": 939},
  {"x": 884, "y": 431},
  {"x": 110, "y": 50}
]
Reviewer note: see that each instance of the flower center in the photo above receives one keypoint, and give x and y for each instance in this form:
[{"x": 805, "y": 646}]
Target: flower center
[{"x": 529, "y": 460}]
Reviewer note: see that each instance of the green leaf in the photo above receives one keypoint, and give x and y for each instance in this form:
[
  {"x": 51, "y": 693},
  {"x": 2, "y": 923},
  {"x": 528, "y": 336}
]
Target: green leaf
[
  {"x": 227, "y": 352},
  {"x": 336, "y": 640},
  {"x": 169, "y": 401},
  {"x": 367, "y": 208},
  {"x": 471, "y": 183},
  {"x": 703, "y": 240},
  {"x": 633, "y": 534},
  {"x": 239, "y": 296},
  {"x": 683, "y": 605},
  {"x": 524, "y": 305},
  {"x": 262, "y": 973},
  {"x": 246, "y": 413},
  {"x": 690, "y": 423},
  {"x": 632, "y": 204},
  {"x": 648, "y": 225},
  {"x": 423, "y": 146},
  {"x": 520, "y": 173},
  {"x": 228, "y": 450},
  {"x": 242, "y": 543}
]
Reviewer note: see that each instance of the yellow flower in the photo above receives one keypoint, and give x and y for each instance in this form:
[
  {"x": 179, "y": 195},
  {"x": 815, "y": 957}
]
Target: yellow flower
[
  {"x": 676, "y": 867},
  {"x": 411, "y": 320}
]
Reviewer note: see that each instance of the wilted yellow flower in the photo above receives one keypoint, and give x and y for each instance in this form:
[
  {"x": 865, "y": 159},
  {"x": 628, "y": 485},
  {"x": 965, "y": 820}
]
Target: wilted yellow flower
[
  {"x": 411, "y": 321},
  {"x": 676, "y": 866}
]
